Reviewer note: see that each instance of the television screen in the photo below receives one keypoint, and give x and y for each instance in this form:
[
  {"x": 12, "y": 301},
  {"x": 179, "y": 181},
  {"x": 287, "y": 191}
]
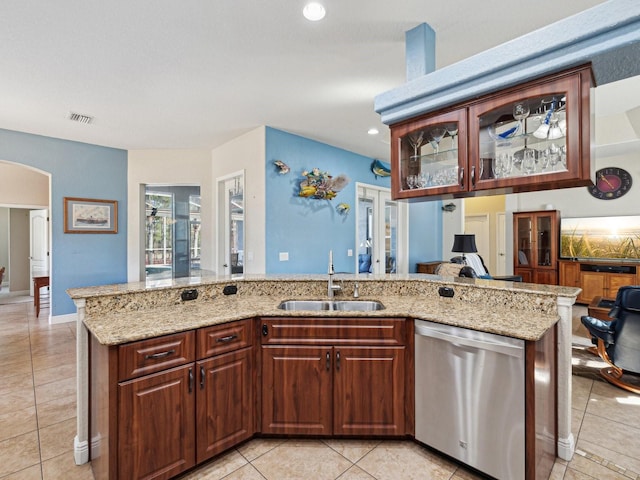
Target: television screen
[{"x": 600, "y": 237}]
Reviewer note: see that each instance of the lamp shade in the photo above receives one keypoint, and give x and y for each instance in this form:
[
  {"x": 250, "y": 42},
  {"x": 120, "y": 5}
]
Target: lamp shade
[{"x": 464, "y": 244}]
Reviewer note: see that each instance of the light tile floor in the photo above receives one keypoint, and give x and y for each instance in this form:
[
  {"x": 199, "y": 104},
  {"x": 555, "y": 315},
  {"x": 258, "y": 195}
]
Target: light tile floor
[{"x": 37, "y": 426}]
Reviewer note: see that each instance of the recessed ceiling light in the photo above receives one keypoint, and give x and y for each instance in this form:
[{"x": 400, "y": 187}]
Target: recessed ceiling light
[
  {"x": 373, "y": 131},
  {"x": 313, "y": 11}
]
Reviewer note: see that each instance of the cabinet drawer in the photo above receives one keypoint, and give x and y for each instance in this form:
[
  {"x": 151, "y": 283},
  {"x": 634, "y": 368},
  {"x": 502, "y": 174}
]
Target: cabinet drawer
[
  {"x": 339, "y": 331},
  {"x": 224, "y": 338},
  {"x": 147, "y": 356}
]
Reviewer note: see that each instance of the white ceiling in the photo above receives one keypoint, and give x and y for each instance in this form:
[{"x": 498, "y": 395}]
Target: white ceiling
[{"x": 197, "y": 73}]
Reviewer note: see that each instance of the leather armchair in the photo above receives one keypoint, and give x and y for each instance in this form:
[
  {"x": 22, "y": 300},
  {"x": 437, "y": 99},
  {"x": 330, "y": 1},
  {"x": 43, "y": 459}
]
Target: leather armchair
[{"x": 618, "y": 341}]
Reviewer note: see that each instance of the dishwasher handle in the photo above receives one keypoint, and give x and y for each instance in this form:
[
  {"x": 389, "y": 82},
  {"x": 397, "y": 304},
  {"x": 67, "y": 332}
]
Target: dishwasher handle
[{"x": 499, "y": 347}]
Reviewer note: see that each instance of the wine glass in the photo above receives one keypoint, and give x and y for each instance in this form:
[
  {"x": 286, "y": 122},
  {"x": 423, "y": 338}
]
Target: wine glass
[
  {"x": 416, "y": 140},
  {"x": 529, "y": 161},
  {"x": 436, "y": 135},
  {"x": 521, "y": 112},
  {"x": 452, "y": 130}
]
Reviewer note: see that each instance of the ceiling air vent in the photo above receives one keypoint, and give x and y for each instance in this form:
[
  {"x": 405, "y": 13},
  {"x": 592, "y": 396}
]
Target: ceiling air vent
[{"x": 78, "y": 117}]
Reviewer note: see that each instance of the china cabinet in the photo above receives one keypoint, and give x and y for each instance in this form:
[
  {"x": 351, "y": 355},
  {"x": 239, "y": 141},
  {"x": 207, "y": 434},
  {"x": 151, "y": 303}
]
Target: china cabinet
[
  {"x": 535, "y": 136},
  {"x": 535, "y": 249}
]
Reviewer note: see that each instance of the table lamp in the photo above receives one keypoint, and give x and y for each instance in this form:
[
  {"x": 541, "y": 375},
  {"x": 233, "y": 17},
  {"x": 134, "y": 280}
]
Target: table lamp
[{"x": 463, "y": 243}]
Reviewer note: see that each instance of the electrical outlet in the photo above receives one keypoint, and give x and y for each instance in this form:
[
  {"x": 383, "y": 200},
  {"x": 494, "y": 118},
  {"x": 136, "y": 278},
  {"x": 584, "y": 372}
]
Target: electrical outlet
[
  {"x": 284, "y": 256},
  {"x": 350, "y": 253}
]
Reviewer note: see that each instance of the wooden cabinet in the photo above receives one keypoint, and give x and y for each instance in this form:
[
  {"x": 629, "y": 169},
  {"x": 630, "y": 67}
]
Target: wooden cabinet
[
  {"x": 333, "y": 377},
  {"x": 156, "y": 419},
  {"x": 368, "y": 391},
  {"x": 155, "y": 424},
  {"x": 534, "y": 136},
  {"x": 597, "y": 279},
  {"x": 224, "y": 404},
  {"x": 296, "y": 390},
  {"x": 427, "y": 267},
  {"x": 535, "y": 247}
]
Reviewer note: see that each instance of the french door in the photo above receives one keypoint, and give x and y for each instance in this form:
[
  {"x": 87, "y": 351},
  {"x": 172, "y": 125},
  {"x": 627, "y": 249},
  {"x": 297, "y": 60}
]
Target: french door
[{"x": 381, "y": 232}]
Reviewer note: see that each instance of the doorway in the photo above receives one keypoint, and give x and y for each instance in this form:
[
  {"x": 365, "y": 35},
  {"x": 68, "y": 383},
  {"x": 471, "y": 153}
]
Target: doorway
[
  {"x": 381, "y": 232},
  {"x": 172, "y": 231},
  {"x": 231, "y": 216}
]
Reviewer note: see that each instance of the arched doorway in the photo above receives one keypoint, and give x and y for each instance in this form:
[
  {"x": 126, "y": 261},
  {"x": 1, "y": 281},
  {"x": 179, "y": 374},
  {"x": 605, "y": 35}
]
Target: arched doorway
[{"x": 23, "y": 191}]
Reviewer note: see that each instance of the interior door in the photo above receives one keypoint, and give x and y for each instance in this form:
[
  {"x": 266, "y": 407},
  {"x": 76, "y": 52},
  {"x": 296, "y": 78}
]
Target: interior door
[
  {"x": 479, "y": 226},
  {"x": 231, "y": 216},
  {"x": 38, "y": 244},
  {"x": 501, "y": 244}
]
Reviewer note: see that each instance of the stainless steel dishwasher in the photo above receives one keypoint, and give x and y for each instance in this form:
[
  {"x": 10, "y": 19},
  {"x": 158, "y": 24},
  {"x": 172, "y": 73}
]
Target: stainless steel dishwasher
[{"x": 470, "y": 397}]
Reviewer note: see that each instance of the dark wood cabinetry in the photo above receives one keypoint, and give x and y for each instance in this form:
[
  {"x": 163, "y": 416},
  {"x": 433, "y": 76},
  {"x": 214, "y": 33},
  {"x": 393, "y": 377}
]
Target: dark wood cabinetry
[
  {"x": 535, "y": 246},
  {"x": 224, "y": 405},
  {"x": 534, "y": 136},
  {"x": 597, "y": 278},
  {"x": 333, "y": 377},
  {"x": 296, "y": 390},
  {"x": 157, "y": 419},
  {"x": 155, "y": 424}
]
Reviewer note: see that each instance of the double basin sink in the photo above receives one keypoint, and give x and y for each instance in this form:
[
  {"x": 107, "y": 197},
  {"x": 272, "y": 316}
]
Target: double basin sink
[{"x": 336, "y": 305}]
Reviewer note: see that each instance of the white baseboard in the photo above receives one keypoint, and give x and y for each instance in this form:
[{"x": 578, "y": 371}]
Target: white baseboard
[
  {"x": 70, "y": 317},
  {"x": 566, "y": 447},
  {"x": 80, "y": 451}
]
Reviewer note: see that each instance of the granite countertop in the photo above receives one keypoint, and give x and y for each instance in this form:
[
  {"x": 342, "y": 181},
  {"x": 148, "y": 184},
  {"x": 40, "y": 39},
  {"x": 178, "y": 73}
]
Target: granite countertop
[{"x": 122, "y": 327}]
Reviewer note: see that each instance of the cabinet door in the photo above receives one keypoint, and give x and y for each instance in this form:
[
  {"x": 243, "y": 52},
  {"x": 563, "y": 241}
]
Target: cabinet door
[
  {"x": 296, "y": 389},
  {"x": 224, "y": 405},
  {"x": 616, "y": 281},
  {"x": 546, "y": 241},
  {"x": 545, "y": 276},
  {"x": 429, "y": 155},
  {"x": 525, "y": 273},
  {"x": 369, "y": 391},
  {"x": 156, "y": 433},
  {"x": 570, "y": 274},
  {"x": 532, "y": 136},
  {"x": 524, "y": 249},
  {"x": 593, "y": 284}
]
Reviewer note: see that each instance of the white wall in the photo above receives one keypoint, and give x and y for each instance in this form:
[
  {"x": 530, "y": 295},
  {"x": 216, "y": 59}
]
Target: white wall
[
  {"x": 452, "y": 224},
  {"x": 167, "y": 167},
  {"x": 248, "y": 152}
]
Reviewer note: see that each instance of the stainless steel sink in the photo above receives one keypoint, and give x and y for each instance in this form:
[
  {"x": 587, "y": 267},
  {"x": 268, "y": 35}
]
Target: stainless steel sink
[{"x": 338, "y": 305}]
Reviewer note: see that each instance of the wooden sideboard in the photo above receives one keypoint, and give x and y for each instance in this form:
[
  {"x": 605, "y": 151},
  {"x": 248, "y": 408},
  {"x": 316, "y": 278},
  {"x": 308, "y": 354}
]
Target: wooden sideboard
[
  {"x": 428, "y": 267},
  {"x": 598, "y": 278}
]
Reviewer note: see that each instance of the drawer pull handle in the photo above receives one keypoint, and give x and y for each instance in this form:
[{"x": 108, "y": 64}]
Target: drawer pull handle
[
  {"x": 227, "y": 339},
  {"x": 338, "y": 360},
  {"x": 328, "y": 361},
  {"x": 155, "y": 356},
  {"x": 190, "y": 380},
  {"x": 201, "y": 377}
]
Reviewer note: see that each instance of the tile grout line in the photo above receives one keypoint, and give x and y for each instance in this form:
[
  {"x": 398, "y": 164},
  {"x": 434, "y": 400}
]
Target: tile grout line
[
  {"x": 35, "y": 397},
  {"x": 608, "y": 464}
]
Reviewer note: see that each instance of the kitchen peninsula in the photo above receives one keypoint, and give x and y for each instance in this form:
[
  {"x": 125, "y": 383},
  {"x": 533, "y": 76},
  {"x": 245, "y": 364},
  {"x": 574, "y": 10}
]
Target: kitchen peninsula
[{"x": 233, "y": 331}]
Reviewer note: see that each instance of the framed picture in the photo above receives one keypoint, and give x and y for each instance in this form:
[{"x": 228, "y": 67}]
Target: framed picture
[{"x": 86, "y": 215}]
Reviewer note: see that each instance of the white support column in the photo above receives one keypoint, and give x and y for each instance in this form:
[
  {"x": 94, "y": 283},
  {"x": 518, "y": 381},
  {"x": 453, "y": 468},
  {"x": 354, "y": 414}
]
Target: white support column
[
  {"x": 566, "y": 441},
  {"x": 81, "y": 441}
]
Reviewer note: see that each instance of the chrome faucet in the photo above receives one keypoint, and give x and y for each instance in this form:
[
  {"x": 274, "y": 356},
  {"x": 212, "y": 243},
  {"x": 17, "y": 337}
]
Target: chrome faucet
[{"x": 331, "y": 288}]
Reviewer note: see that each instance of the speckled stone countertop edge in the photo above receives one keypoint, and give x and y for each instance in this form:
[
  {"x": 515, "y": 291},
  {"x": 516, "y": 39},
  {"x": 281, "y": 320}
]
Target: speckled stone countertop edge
[
  {"x": 117, "y": 328},
  {"x": 183, "y": 283}
]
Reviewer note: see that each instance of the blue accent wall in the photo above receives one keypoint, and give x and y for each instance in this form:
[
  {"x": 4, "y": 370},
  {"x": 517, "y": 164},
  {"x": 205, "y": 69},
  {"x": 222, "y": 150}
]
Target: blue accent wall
[
  {"x": 307, "y": 229},
  {"x": 425, "y": 233},
  {"x": 85, "y": 171}
]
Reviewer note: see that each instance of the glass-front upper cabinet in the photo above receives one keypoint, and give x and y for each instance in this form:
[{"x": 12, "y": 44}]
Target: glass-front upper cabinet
[
  {"x": 428, "y": 155},
  {"x": 531, "y": 135}
]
